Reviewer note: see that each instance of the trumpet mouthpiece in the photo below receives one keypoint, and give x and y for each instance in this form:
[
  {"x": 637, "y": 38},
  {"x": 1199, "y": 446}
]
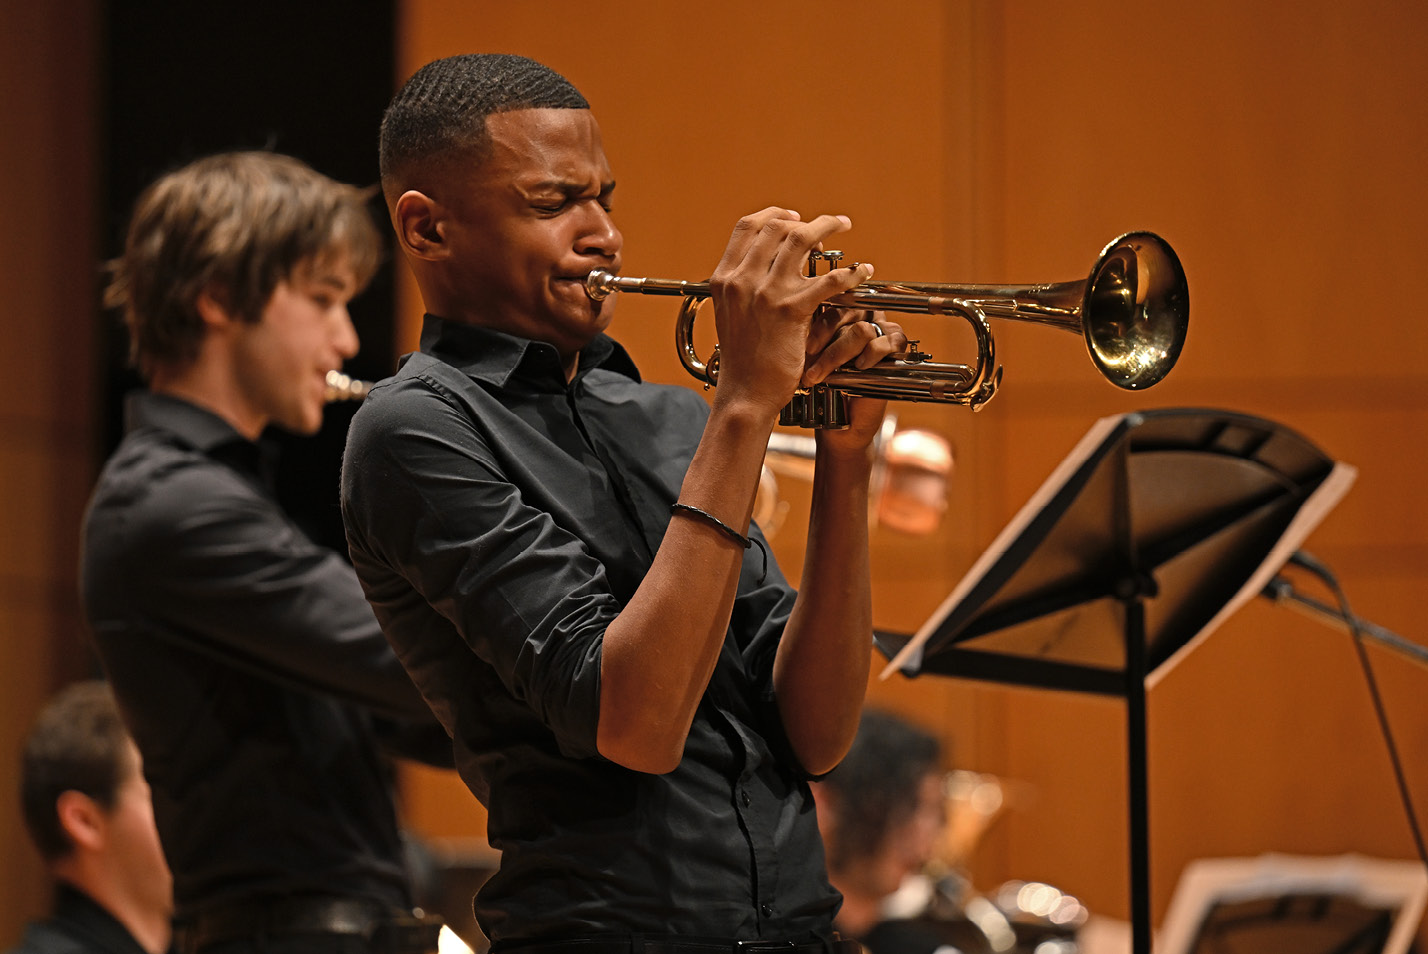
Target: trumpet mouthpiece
[{"x": 599, "y": 284}]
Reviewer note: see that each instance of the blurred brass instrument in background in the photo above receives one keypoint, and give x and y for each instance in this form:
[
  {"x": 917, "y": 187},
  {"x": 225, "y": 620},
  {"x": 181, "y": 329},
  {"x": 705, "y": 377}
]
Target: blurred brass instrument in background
[
  {"x": 907, "y": 492},
  {"x": 1132, "y": 310},
  {"x": 947, "y": 911}
]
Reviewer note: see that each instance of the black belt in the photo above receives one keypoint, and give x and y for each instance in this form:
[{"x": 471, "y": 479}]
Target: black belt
[
  {"x": 642, "y": 944},
  {"x": 385, "y": 930}
]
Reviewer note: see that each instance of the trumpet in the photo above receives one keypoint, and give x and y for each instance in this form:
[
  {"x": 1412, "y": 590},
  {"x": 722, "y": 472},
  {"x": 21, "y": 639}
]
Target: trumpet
[
  {"x": 342, "y": 387},
  {"x": 1132, "y": 311}
]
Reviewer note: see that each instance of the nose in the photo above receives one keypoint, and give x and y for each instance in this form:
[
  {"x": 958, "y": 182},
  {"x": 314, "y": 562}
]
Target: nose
[
  {"x": 344, "y": 336},
  {"x": 600, "y": 237}
]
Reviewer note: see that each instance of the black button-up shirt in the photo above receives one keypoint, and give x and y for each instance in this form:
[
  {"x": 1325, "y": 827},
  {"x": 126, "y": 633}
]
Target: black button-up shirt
[
  {"x": 499, "y": 518},
  {"x": 245, "y": 660}
]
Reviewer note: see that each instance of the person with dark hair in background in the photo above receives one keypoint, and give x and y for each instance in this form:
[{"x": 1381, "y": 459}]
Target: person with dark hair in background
[
  {"x": 87, "y": 809},
  {"x": 247, "y": 664},
  {"x": 898, "y": 828},
  {"x": 562, "y": 553},
  {"x": 882, "y": 813}
]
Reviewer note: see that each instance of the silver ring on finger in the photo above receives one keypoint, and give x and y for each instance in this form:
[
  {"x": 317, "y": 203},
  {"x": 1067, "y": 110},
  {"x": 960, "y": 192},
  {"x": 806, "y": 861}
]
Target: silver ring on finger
[{"x": 877, "y": 329}]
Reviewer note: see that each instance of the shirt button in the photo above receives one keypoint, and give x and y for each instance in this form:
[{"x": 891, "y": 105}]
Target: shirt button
[
  {"x": 744, "y": 797},
  {"x": 766, "y": 910}
]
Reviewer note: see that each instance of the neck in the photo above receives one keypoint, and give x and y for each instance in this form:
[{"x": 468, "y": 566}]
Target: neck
[
  {"x": 453, "y": 305},
  {"x": 151, "y": 926},
  {"x": 858, "y": 915},
  {"x": 210, "y": 385}
]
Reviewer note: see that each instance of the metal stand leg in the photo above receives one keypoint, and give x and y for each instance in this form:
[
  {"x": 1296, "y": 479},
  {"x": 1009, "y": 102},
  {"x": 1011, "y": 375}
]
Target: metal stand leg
[{"x": 1138, "y": 789}]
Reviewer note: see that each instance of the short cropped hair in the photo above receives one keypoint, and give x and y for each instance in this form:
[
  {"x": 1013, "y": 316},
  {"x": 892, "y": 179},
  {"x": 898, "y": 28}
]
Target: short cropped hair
[
  {"x": 77, "y": 743},
  {"x": 875, "y": 787},
  {"x": 440, "y": 113},
  {"x": 233, "y": 225}
]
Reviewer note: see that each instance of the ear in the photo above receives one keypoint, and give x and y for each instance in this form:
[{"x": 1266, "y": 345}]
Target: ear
[
  {"x": 421, "y": 231},
  {"x": 82, "y": 819},
  {"x": 211, "y": 310}
]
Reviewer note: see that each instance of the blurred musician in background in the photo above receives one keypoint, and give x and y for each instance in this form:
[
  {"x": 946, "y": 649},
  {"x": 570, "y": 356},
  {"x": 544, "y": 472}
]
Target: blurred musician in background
[
  {"x": 561, "y": 553},
  {"x": 882, "y": 813},
  {"x": 246, "y": 661},
  {"x": 87, "y": 809},
  {"x": 900, "y": 831}
]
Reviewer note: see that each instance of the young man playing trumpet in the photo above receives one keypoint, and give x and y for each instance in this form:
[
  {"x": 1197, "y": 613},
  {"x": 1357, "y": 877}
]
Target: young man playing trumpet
[
  {"x": 249, "y": 667},
  {"x": 561, "y": 553}
]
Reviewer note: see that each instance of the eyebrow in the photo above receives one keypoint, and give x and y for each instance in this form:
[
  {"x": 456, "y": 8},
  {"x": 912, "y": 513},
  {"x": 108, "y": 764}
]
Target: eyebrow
[
  {"x": 567, "y": 185},
  {"x": 334, "y": 280}
]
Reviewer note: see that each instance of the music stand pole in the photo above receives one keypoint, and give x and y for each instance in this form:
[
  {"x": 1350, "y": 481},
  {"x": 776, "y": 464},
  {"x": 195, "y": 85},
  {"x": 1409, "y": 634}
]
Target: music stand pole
[{"x": 1138, "y": 771}]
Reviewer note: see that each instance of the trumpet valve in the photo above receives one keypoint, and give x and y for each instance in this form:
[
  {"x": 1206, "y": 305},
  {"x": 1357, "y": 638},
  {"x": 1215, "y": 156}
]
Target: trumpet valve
[
  {"x": 832, "y": 256},
  {"x": 912, "y": 354},
  {"x": 819, "y": 406}
]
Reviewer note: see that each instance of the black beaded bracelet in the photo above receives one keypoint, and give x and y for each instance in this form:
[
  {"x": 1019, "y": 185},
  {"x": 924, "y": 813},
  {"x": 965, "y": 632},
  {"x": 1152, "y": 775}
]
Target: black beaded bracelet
[
  {"x": 708, "y": 517},
  {"x": 714, "y": 521}
]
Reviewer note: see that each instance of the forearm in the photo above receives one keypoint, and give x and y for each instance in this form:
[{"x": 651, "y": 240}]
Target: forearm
[
  {"x": 821, "y": 671},
  {"x": 659, "y": 653}
]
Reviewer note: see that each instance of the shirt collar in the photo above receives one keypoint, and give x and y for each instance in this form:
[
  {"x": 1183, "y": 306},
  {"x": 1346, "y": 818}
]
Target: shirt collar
[
  {"x": 494, "y": 357},
  {"x": 203, "y": 431},
  {"x": 196, "y": 426},
  {"x": 96, "y": 925}
]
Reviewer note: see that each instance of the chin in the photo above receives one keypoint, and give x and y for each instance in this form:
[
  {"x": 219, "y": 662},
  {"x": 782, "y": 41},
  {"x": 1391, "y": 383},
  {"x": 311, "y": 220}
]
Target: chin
[{"x": 305, "y": 424}]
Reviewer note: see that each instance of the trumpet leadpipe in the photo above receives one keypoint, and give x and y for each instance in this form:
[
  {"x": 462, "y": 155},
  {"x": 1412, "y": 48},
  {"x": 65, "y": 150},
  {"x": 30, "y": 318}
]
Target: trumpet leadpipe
[{"x": 873, "y": 296}]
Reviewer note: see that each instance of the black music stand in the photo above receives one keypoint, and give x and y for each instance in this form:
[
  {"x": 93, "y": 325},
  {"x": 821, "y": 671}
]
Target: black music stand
[{"x": 1156, "y": 527}]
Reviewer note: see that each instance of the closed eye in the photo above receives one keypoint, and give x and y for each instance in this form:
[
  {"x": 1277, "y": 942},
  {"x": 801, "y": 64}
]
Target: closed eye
[{"x": 553, "y": 198}]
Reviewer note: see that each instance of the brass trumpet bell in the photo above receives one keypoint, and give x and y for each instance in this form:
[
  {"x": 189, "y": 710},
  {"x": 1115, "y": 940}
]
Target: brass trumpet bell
[{"x": 1132, "y": 310}]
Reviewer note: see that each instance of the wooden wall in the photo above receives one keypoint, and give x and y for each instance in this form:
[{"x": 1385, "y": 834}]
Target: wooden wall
[
  {"x": 46, "y": 451},
  {"x": 972, "y": 140},
  {"x": 1279, "y": 153}
]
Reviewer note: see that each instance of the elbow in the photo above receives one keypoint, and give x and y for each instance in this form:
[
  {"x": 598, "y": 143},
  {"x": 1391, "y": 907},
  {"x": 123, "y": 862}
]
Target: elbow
[
  {"x": 641, "y": 749},
  {"x": 821, "y": 750},
  {"x": 820, "y": 763}
]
